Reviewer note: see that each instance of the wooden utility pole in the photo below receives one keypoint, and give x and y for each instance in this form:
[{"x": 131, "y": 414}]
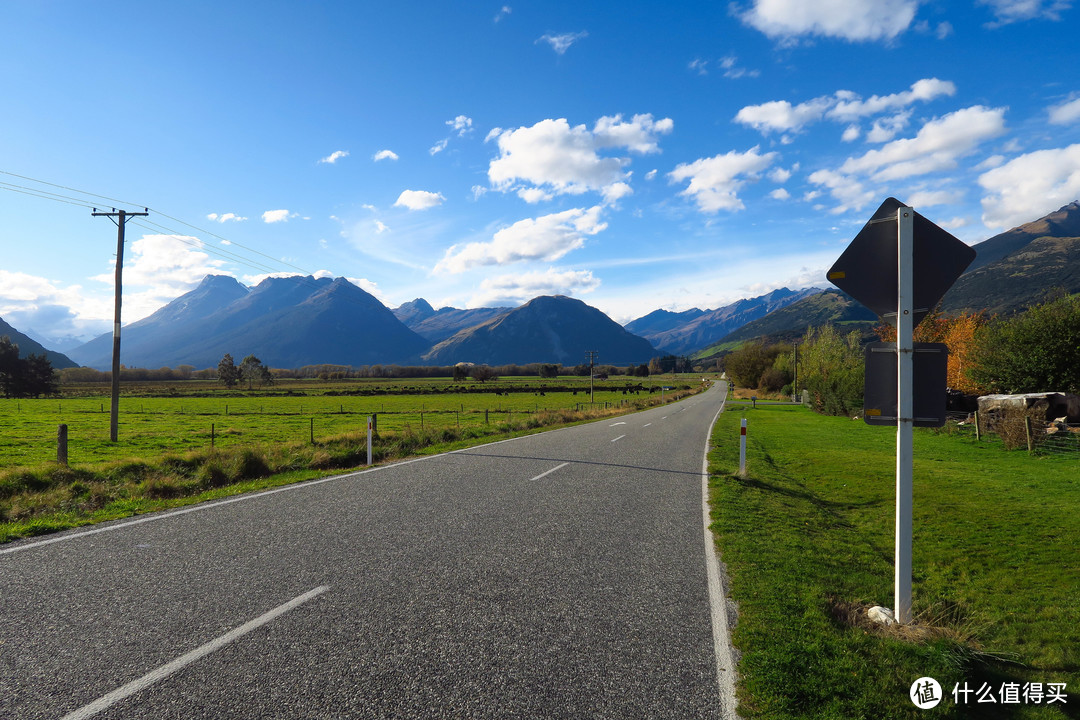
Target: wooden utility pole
[{"x": 120, "y": 218}]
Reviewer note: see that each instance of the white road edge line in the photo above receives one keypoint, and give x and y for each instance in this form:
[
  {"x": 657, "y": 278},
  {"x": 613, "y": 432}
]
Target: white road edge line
[
  {"x": 154, "y": 676},
  {"x": 725, "y": 659},
  {"x": 548, "y": 472},
  {"x": 618, "y": 438}
]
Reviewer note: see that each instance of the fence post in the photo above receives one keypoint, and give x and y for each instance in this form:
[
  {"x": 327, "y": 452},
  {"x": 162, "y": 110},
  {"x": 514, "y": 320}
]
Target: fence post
[
  {"x": 312, "y": 431},
  {"x": 375, "y": 423},
  {"x": 212, "y": 434},
  {"x": 1027, "y": 430},
  {"x": 62, "y": 445},
  {"x": 978, "y": 430}
]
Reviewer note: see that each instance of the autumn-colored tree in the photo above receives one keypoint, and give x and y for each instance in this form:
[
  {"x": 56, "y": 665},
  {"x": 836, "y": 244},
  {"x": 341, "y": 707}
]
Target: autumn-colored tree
[{"x": 958, "y": 333}]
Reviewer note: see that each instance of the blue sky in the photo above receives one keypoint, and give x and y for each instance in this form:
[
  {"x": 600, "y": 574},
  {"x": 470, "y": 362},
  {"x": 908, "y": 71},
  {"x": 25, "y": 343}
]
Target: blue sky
[{"x": 636, "y": 155}]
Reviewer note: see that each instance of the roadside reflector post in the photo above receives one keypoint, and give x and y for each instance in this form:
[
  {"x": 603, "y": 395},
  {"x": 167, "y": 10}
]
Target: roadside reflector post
[
  {"x": 742, "y": 449},
  {"x": 370, "y": 427},
  {"x": 905, "y": 413}
]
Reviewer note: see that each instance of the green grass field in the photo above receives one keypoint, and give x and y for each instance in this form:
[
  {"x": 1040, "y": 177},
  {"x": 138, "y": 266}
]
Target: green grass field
[
  {"x": 177, "y": 417},
  {"x": 186, "y": 442},
  {"x": 807, "y": 538}
]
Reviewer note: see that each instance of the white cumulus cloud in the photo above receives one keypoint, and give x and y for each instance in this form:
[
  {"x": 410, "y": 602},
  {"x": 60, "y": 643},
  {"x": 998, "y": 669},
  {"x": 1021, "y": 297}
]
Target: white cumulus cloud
[
  {"x": 385, "y": 155},
  {"x": 938, "y": 146},
  {"x": 276, "y": 216},
  {"x": 714, "y": 182},
  {"x": 1030, "y": 186},
  {"x": 419, "y": 199},
  {"x": 546, "y": 238},
  {"x": 854, "y": 20},
  {"x": 557, "y": 159},
  {"x": 461, "y": 125},
  {"x": 843, "y": 106}
]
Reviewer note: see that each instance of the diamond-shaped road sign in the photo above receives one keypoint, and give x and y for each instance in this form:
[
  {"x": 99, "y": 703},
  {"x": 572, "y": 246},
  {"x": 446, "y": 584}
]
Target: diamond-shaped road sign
[{"x": 867, "y": 270}]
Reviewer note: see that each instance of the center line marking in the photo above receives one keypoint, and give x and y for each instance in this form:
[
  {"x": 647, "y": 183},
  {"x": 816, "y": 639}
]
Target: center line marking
[
  {"x": 106, "y": 701},
  {"x": 548, "y": 472},
  {"x": 646, "y": 425},
  {"x": 618, "y": 438}
]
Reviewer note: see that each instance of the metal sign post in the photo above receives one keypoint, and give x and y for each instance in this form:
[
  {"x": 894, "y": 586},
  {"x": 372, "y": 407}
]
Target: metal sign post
[
  {"x": 905, "y": 413},
  {"x": 881, "y": 275}
]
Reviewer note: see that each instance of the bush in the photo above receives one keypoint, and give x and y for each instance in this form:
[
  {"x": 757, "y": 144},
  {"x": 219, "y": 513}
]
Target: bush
[
  {"x": 832, "y": 369},
  {"x": 1036, "y": 351}
]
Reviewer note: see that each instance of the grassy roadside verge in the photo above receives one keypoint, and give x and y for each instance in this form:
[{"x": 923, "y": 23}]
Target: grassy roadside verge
[
  {"x": 807, "y": 540},
  {"x": 49, "y": 497}
]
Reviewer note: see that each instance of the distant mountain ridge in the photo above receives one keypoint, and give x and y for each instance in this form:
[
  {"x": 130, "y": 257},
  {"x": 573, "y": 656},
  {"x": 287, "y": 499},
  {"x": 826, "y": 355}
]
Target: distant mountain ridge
[
  {"x": 285, "y": 322},
  {"x": 438, "y": 325},
  {"x": 27, "y": 345},
  {"x": 683, "y": 333},
  {"x": 1063, "y": 222},
  {"x": 1011, "y": 271},
  {"x": 551, "y": 329}
]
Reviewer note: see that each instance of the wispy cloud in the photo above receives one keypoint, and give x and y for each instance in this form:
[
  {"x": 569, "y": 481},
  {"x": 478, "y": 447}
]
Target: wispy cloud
[
  {"x": 516, "y": 288},
  {"x": 1010, "y": 11},
  {"x": 561, "y": 43},
  {"x": 225, "y": 217},
  {"x": 385, "y": 155},
  {"x": 334, "y": 157}
]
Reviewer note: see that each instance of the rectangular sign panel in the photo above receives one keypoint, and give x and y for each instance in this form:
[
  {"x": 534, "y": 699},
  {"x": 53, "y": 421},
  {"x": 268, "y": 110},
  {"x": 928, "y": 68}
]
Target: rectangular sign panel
[{"x": 930, "y": 379}]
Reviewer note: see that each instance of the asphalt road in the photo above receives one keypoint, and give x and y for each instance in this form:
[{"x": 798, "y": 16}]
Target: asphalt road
[{"x": 560, "y": 575}]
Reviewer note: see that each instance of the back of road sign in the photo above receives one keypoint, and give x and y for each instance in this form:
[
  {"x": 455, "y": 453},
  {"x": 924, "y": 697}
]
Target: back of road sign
[
  {"x": 929, "y": 371},
  {"x": 867, "y": 270}
]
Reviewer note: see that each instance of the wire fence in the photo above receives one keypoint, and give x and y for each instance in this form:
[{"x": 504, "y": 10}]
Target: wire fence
[{"x": 1018, "y": 431}]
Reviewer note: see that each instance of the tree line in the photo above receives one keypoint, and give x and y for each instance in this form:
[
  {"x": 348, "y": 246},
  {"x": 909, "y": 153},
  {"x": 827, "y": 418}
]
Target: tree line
[
  {"x": 1037, "y": 350},
  {"x": 31, "y": 376}
]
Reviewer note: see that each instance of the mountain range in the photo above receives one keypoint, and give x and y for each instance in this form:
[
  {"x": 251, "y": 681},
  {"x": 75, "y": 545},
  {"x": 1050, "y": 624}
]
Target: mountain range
[
  {"x": 295, "y": 321},
  {"x": 27, "y": 345},
  {"x": 285, "y": 322},
  {"x": 682, "y": 333},
  {"x": 1011, "y": 271}
]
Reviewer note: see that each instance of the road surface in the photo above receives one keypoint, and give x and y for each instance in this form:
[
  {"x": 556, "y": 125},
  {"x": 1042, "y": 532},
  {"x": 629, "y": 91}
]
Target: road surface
[{"x": 559, "y": 575}]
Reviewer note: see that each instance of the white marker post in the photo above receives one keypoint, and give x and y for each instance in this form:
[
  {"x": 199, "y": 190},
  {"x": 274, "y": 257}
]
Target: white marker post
[
  {"x": 369, "y": 425},
  {"x": 905, "y": 413},
  {"x": 742, "y": 448}
]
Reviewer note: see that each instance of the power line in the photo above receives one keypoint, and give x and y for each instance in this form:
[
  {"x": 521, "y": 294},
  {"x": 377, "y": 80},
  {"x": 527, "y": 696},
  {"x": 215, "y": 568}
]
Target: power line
[{"x": 57, "y": 197}]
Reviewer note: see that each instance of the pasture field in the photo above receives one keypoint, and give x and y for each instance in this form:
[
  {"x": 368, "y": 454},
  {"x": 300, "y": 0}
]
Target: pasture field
[
  {"x": 181, "y": 443},
  {"x": 175, "y": 417},
  {"x": 807, "y": 537}
]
